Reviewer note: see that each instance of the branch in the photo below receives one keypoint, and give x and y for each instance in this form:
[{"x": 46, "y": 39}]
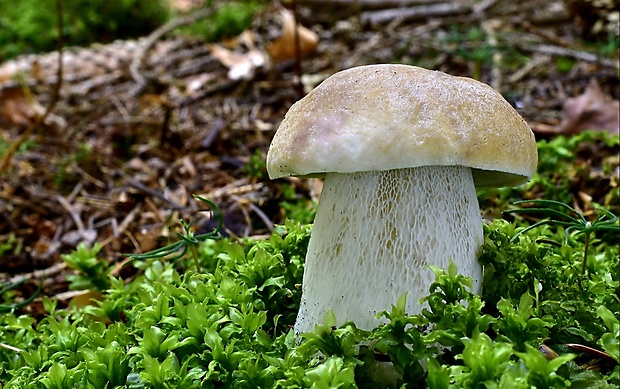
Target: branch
[
  {"x": 572, "y": 53},
  {"x": 414, "y": 13},
  {"x": 366, "y": 4},
  {"x": 39, "y": 119}
]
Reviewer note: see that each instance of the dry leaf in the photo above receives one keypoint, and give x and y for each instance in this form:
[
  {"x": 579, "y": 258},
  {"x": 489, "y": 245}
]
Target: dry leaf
[
  {"x": 240, "y": 66},
  {"x": 185, "y": 5},
  {"x": 590, "y": 111},
  {"x": 16, "y": 108},
  {"x": 283, "y": 48},
  {"x": 72, "y": 238},
  {"x": 149, "y": 239},
  {"x": 8, "y": 71},
  {"x": 177, "y": 194},
  {"x": 84, "y": 298}
]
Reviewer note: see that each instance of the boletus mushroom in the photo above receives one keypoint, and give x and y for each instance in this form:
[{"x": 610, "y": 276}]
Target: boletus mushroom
[{"x": 402, "y": 150}]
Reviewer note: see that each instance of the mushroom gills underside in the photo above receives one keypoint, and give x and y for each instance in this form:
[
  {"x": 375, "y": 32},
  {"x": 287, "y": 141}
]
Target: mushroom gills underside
[{"x": 374, "y": 235}]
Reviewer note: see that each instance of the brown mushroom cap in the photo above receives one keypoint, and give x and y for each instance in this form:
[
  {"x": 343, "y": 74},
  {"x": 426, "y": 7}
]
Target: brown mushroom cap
[{"x": 383, "y": 117}]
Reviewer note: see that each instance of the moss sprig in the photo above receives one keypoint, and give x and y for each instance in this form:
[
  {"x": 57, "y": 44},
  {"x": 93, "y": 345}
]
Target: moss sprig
[
  {"x": 189, "y": 240},
  {"x": 568, "y": 217}
]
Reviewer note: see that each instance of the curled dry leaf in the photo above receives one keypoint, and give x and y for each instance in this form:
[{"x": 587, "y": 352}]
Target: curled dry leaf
[
  {"x": 592, "y": 110},
  {"x": 185, "y": 5},
  {"x": 548, "y": 352},
  {"x": 19, "y": 109},
  {"x": 16, "y": 108},
  {"x": 243, "y": 60},
  {"x": 283, "y": 48},
  {"x": 241, "y": 66}
]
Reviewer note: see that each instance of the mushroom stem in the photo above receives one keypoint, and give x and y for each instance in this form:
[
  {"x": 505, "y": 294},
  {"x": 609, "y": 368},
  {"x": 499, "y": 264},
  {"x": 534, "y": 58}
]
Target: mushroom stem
[{"x": 375, "y": 233}]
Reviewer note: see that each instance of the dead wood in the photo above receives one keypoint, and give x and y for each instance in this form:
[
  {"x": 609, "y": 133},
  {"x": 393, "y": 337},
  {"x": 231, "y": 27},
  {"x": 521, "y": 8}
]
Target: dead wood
[
  {"x": 414, "y": 13},
  {"x": 40, "y": 116},
  {"x": 365, "y": 4},
  {"x": 572, "y": 53}
]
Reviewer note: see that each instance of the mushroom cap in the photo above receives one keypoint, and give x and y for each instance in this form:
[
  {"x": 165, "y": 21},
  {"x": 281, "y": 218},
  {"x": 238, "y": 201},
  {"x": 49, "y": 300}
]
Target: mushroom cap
[{"x": 384, "y": 117}]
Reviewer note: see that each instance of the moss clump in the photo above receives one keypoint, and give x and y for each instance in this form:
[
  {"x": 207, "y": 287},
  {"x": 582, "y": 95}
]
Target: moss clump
[{"x": 29, "y": 26}]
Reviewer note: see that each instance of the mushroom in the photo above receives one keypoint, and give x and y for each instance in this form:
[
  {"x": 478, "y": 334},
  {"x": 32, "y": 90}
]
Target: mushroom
[{"x": 402, "y": 150}]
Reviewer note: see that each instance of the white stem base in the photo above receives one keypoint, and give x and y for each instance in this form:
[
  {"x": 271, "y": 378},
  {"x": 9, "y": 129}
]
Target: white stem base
[{"x": 375, "y": 233}]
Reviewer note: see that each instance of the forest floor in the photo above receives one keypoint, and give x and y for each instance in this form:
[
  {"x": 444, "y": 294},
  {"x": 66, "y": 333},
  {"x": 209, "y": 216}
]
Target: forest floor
[{"x": 118, "y": 158}]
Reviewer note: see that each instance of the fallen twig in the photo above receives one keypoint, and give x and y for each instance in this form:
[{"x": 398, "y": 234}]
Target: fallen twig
[
  {"x": 39, "y": 119},
  {"x": 414, "y": 13},
  {"x": 490, "y": 28},
  {"x": 366, "y": 4},
  {"x": 552, "y": 38},
  {"x": 534, "y": 62},
  {"x": 572, "y": 53},
  {"x": 38, "y": 274}
]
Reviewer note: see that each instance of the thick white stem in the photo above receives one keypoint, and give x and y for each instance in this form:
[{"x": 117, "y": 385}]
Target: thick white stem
[{"x": 375, "y": 233}]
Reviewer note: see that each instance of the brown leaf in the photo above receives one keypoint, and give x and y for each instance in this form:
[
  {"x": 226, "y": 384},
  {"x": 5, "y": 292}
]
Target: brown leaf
[
  {"x": 185, "y": 5},
  {"x": 593, "y": 352},
  {"x": 16, "y": 108},
  {"x": 590, "y": 111},
  {"x": 283, "y": 48},
  {"x": 83, "y": 298},
  {"x": 241, "y": 66},
  {"x": 19, "y": 109}
]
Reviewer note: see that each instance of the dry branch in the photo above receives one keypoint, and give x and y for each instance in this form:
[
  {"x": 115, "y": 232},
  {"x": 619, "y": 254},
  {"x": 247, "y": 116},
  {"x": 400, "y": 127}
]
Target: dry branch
[
  {"x": 40, "y": 119},
  {"x": 414, "y": 13},
  {"x": 571, "y": 53},
  {"x": 366, "y": 4}
]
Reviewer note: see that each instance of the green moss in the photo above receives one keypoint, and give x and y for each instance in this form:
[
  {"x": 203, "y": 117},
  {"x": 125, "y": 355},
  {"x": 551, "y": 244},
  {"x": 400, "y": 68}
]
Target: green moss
[
  {"x": 29, "y": 26},
  {"x": 231, "y": 20},
  {"x": 231, "y": 325}
]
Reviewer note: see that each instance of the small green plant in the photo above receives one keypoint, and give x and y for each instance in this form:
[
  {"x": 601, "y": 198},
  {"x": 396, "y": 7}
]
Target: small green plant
[
  {"x": 5, "y": 145},
  {"x": 231, "y": 327},
  {"x": 520, "y": 323},
  {"x": 563, "y": 172},
  {"x": 466, "y": 40},
  {"x": 564, "y": 65},
  {"x": 609, "y": 47},
  {"x": 189, "y": 240},
  {"x": 92, "y": 272},
  {"x": 610, "y": 341},
  {"x": 256, "y": 168},
  {"x": 568, "y": 217},
  {"x": 231, "y": 324},
  {"x": 229, "y": 21},
  {"x": 296, "y": 207},
  {"x": 66, "y": 174},
  {"x": 10, "y": 244},
  {"x": 470, "y": 45}
]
